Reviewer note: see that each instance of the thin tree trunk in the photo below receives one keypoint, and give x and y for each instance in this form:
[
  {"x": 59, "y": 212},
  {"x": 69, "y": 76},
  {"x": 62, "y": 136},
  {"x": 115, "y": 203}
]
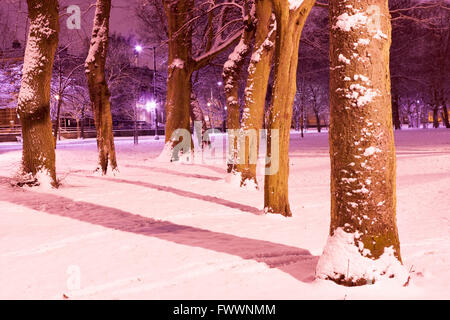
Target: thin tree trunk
[
  {"x": 98, "y": 87},
  {"x": 57, "y": 122},
  {"x": 317, "y": 121},
  {"x": 362, "y": 152},
  {"x": 256, "y": 89},
  {"x": 196, "y": 114},
  {"x": 395, "y": 112},
  {"x": 290, "y": 23},
  {"x": 78, "y": 128},
  {"x": 38, "y": 153}
]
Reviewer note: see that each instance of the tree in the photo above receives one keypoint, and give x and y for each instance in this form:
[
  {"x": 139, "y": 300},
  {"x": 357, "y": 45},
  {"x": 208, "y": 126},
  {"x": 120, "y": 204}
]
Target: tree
[
  {"x": 232, "y": 70},
  {"x": 219, "y": 35},
  {"x": 38, "y": 155},
  {"x": 363, "y": 243},
  {"x": 98, "y": 87},
  {"x": 291, "y": 17},
  {"x": 65, "y": 77},
  {"x": 256, "y": 88}
]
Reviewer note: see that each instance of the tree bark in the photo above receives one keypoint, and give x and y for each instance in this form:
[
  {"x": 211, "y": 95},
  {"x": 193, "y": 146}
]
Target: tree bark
[
  {"x": 38, "y": 153},
  {"x": 98, "y": 87},
  {"x": 445, "y": 115},
  {"x": 290, "y": 23},
  {"x": 179, "y": 85},
  {"x": 231, "y": 74},
  {"x": 362, "y": 151},
  {"x": 256, "y": 88}
]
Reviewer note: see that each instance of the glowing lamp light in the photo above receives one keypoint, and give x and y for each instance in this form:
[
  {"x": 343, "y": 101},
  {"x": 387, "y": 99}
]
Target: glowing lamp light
[
  {"x": 209, "y": 104},
  {"x": 220, "y": 83},
  {"x": 138, "y": 48},
  {"x": 57, "y": 97},
  {"x": 150, "y": 105}
]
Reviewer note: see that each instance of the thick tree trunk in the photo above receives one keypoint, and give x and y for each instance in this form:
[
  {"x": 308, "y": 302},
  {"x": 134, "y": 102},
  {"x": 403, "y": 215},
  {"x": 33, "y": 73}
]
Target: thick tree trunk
[
  {"x": 179, "y": 85},
  {"x": 231, "y": 74},
  {"x": 38, "y": 153},
  {"x": 363, "y": 201},
  {"x": 98, "y": 87},
  {"x": 256, "y": 88},
  {"x": 290, "y": 23}
]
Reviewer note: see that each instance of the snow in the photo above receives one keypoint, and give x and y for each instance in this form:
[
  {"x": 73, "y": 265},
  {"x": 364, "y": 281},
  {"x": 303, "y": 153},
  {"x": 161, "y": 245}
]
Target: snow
[
  {"x": 371, "y": 151},
  {"x": 160, "y": 230},
  {"x": 342, "y": 257},
  {"x": 343, "y": 59},
  {"x": 177, "y": 64},
  {"x": 346, "y": 22},
  {"x": 295, "y": 4}
]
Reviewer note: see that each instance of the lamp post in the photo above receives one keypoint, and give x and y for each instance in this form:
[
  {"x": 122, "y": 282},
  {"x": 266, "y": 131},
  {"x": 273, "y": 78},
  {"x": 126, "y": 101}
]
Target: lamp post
[
  {"x": 137, "y": 50},
  {"x": 151, "y": 104}
]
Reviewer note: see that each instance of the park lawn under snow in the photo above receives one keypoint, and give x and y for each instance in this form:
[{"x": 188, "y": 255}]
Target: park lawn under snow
[{"x": 166, "y": 231}]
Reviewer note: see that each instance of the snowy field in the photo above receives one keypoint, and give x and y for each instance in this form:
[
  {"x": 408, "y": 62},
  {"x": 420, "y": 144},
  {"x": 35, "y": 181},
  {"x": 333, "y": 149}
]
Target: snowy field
[{"x": 164, "y": 231}]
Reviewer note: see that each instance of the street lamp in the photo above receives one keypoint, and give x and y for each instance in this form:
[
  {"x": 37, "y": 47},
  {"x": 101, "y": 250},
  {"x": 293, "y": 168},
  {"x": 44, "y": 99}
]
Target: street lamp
[
  {"x": 138, "y": 48},
  {"x": 151, "y": 105}
]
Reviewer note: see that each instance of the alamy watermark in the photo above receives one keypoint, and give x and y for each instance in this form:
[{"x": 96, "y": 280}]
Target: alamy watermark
[{"x": 236, "y": 146}]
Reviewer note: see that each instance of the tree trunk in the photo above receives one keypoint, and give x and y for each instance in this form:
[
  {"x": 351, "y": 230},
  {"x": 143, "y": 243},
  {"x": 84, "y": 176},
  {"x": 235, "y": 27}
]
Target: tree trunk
[
  {"x": 289, "y": 27},
  {"x": 196, "y": 114},
  {"x": 435, "y": 117},
  {"x": 395, "y": 112},
  {"x": 256, "y": 88},
  {"x": 82, "y": 122},
  {"x": 78, "y": 128},
  {"x": 317, "y": 121},
  {"x": 38, "y": 153},
  {"x": 98, "y": 87},
  {"x": 232, "y": 70},
  {"x": 179, "y": 85},
  {"x": 57, "y": 122},
  {"x": 445, "y": 115},
  {"x": 362, "y": 153}
]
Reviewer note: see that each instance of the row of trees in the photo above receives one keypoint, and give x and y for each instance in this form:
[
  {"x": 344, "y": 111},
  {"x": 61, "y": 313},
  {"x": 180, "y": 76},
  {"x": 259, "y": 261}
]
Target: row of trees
[{"x": 263, "y": 37}]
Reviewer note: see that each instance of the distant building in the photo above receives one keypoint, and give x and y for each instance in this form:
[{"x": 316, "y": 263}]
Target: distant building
[{"x": 9, "y": 91}]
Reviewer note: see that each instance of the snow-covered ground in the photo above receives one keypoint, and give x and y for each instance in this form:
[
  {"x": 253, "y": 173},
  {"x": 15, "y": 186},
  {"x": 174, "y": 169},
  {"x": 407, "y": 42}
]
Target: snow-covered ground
[{"x": 176, "y": 231}]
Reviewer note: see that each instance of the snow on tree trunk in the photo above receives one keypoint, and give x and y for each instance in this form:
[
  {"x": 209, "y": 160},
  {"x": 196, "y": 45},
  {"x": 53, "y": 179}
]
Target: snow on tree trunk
[
  {"x": 232, "y": 70},
  {"x": 363, "y": 244},
  {"x": 290, "y": 16},
  {"x": 256, "y": 88},
  {"x": 98, "y": 87},
  {"x": 38, "y": 156}
]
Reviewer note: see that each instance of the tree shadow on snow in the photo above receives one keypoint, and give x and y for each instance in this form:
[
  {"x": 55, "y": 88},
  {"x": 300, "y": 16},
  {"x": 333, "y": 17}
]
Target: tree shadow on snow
[
  {"x": 187, "y": 194},
  {"x": 175, "y": 173},
  {"x": 297, "y": 262}
]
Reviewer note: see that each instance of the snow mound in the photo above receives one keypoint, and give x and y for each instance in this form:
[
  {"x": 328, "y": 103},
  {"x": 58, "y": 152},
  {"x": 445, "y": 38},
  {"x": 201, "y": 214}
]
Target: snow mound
[{"x": 342, "y": 258}]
